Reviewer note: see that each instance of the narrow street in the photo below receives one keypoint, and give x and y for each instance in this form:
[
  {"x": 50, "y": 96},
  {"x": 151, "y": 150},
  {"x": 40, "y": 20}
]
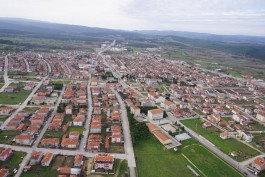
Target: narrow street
[{"x": 6, "y": 79}]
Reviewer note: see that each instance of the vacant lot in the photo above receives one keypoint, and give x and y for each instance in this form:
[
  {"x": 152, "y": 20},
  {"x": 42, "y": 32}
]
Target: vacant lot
[
  {"x": 63, "y": 161},
  {"x": 153, "y": 160},
  {"x": 212, "y": 165},
  {"x": 259, "y": 142},
  {"x": 76, "y": 129},
  {"x": 39, "y": 171},
  {"x": 13, "y": 98},
  {"x": 53, "y": 134},
  {"x": 7, "y": 136},
  {"x": 227, "y": 146}
]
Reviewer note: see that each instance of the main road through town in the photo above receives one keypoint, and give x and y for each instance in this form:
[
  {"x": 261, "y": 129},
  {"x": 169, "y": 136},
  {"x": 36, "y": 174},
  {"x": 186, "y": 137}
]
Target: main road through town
[{"x": 127, "y": 135}]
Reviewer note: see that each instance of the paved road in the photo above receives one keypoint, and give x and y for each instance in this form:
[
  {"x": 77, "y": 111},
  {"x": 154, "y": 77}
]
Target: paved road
[
  {"x": 23, "y": 164},
  {"x": 27, "y": 64},
  {"x": 82, "y": 146},
  {"x": 48, "y": 64},
  {"x": 127, "y": 136},
  {"x": 6, "y": 79},
  {"x": 24, "y": 104},
  {"x": 49, "y": 120},
  {"x": 69, "y": 70}
]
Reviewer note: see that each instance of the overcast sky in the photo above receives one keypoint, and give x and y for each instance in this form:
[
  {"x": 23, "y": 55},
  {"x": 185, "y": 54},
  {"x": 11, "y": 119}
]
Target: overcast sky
[{"x": 211, "y": 16}]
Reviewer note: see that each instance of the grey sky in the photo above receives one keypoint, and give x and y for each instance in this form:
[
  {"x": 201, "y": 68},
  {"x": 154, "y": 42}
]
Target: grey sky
[{"x": 212, "y": 16}]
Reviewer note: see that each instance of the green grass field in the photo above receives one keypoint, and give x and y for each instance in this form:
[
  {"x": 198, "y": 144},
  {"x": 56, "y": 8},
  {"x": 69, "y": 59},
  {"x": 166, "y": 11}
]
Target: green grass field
[
  {"x": 77, "y": 129},
  {"x": 212, "y": 165},
  {"x": 153, "y": 160},
  {"x": 1, "y": 85},
  {"x": 13, "y": 98},
  {"x": 123, "y": 168},
  {"x": 39, "y": 171},
  {"x": 53, "y": 134},
  {"x": 12, "y": 73},
  {"x": 227, "y": 146},
  {"x": 7, "y": 136}
]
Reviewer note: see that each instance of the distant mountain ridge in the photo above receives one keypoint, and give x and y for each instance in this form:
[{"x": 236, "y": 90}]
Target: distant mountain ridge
[
  {"x": 19, "y": 25},
  {"x": 207, "y": 36}
]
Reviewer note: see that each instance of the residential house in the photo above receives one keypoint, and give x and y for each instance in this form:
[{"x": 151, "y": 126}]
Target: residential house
[
  {"x": 258, "y": 163},
  {"x": 225, "y": 135},
  {"x": 104, "y": 161},
  {"x": 68, "y": 109},
  {"x": 4, "y": 172},
  {"x": 5, "y": 154},
  {"x": 168, "y": 105},
  {"x": 50, "y": 142},
  {"x": 5, "y": 110},
  {"x": 78, "y": 121},
  {"x": 155, "y": 114},
  {"x": 35, "y": 157},
  {"x": 47, "y": 159},
  {"x": 135, "y": 110},
  {"x": 261, "y": 117},
  {"x": 78, "y": 162},
  {"x": 24, "y": 139},
  {"x": 70, "y": 143}
]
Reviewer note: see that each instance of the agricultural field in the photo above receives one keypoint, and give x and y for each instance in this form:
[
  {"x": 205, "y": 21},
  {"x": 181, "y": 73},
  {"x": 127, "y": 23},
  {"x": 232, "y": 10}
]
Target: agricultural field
[{"x": 227, "y": 146}]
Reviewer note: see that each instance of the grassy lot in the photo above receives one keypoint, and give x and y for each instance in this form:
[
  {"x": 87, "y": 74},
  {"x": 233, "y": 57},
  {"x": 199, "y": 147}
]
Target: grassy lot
[
  {"x": 259, "y": 141},
  {"x": 53, "y": 134},
  {"x": 60, "y": 81},
  {"x": 153, "y": 160},
  {"x": 67, "y": 118},
  {"x": 39, "y": 171},
  {"x": 212, "y": 165},
  {"x": 77, "y": 129},
  {"x": 31, "y": 109},
  {"x": 7, "y": 136},
  {"x": 13, "y": 73},
  {"x": 198, "y": 112},
  {"x": 116, "y": 149},
  {"x": 3, "y": 118},
  {"x": 254, "y": 127},
  {"x": 13, "y": 98},
  {"x": 1, "y": 85},
  {"x": 227, "y": 146},
  {"x": 13, "y": 161},
  {"x": 123, "y": 168}
]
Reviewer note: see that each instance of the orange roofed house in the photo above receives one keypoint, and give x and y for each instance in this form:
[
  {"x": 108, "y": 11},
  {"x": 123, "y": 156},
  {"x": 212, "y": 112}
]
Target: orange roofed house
[
  {"x": 155, "y": 114},
  {"x": 5, "y": 154},
  {"x": 104, "y": 162},
  {"x": 259, "y": 163},
  {"x": 47, "y": 159}
]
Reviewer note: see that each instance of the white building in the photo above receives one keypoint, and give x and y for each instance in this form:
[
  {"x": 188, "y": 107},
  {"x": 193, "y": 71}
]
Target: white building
[{"x": 155, "y": 114}]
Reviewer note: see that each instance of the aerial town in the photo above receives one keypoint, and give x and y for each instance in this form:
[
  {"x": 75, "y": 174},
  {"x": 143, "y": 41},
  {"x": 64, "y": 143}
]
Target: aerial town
[{"x": 70, "y": 113}]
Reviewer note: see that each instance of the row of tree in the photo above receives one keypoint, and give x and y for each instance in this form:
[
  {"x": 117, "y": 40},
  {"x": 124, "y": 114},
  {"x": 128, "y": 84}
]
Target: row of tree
[{"x": 139, "y": 130}]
